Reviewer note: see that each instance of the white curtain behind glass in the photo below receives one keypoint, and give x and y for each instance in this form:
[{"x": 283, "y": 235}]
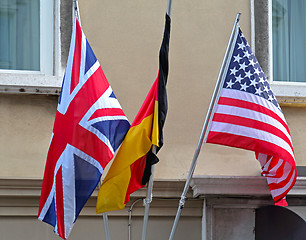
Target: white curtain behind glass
[
  {"x": 19, "y": 35},
  {"x": 289, "y": 38}
]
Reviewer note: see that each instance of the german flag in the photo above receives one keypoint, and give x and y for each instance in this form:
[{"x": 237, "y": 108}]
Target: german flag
[{"x": 131, "y": 168}]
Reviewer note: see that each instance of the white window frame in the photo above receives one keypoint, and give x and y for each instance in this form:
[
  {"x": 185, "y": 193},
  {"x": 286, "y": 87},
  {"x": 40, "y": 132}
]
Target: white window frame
[
  {"x": 48, "y": 79},
  {"x": 286, "y": 92},
  {"x": 284, "y": 89}
]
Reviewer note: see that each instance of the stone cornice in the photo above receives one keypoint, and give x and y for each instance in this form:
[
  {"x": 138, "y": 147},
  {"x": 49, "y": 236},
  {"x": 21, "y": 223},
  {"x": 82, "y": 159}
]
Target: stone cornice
[
  {"x": 201, "y": 185},
  {"x": 20, "y": 197},
  {"x": 10, "y": 187},
  {"x": 239, "y": 186}
]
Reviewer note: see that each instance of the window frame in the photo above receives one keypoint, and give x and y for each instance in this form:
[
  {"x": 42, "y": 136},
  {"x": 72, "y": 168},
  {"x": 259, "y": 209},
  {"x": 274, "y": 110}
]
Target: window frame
[
  {"x": 286, "y": 92},
  {"x": 48, "y": 79}
]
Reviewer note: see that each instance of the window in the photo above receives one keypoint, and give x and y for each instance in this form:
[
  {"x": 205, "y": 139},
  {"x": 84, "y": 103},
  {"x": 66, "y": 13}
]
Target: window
[
  {"x": 31, "y": 45},
  {"x": 19, "y": 39},
  {"x": 289, "y": 40},
  {"x": 279, "y": 40},
  {"x": 26, "y": 40}
]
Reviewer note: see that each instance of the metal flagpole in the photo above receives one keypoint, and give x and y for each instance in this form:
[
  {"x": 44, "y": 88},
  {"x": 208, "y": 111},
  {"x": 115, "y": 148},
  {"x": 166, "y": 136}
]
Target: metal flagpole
[
  {"x": 148, "y": 199},
  {"x": 105, "y": 220},
  {"x": 203, "y": 135},
  {"x": 106, "y": 228}
]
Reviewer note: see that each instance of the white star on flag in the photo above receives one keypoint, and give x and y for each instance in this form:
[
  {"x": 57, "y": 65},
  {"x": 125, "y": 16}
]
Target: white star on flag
[
  {"x": 233, "y": 71},
  {"x": 253, "y": 82},
  {"x": 252, "y": 62},
  {"x": 238, "y": 78},
  {"x": 243, "y": 66},
  {"x": 248, "y": 74},
  {"x": 246, "y": 54},
  {"x": 257, "y": 71},
  {"x": 237, "y": 58},
  {"x": 230, "y": 84},
  {"x": 243, "y": 86},
  {"x": 241, "y": 46}
]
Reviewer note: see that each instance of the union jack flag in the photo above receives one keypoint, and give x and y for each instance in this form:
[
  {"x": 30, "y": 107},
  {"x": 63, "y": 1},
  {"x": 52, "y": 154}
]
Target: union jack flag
[
  {"x": 248, "y": 116},
  {"x": 89, "y": 126}
]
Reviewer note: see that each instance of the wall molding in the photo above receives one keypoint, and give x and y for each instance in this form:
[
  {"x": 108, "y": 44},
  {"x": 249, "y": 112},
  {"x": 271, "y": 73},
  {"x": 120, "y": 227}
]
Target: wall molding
[
  {"x": 239, "y": 186},
  {"x": 20, "y": 197}
]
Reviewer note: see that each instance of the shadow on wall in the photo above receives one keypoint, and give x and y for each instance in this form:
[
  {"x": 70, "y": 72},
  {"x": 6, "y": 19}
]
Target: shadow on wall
[{"x": 274, "y": 222}]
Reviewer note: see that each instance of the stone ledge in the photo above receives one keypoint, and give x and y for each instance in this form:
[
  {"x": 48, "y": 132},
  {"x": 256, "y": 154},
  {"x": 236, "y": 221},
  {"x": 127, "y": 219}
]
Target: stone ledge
[
  {"x": 20, "y": 197},
  {"x": 10, "y": 187},
  {"x": 19, "y": 89},
  {"x": 239, "y": 186}
]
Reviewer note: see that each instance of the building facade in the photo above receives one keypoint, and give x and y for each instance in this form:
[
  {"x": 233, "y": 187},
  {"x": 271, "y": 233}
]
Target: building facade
[{"x": 226, "y": 188}]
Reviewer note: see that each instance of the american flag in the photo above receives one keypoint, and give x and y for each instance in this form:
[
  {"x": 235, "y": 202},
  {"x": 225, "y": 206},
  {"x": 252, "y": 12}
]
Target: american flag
[
  {"x": 89, "y": 127},
  {"x": 248, "y": 116}
]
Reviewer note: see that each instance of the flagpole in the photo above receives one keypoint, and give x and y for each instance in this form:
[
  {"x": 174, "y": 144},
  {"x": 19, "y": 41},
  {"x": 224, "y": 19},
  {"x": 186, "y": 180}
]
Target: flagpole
[
  {"x": 148, "y": 199},
  {"x": 203, "y": 135},
  {"x": 106, "y": 227},
  {"x": 105, "y": 220}
]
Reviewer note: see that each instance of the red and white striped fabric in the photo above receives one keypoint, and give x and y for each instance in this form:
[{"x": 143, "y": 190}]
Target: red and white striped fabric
[{"x": 248, "y": 116}]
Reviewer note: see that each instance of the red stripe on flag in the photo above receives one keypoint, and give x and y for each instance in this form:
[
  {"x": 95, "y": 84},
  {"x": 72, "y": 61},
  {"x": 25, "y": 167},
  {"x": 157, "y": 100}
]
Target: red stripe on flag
[
  {"x": 147, "y": 107},
  {"x": 268, "y": 148},
  {"x": 266, "y": 170},
  {"x": 136, "y": 179},
  {"x": 75, "y": 74},
  {"x": 60, "y": 204},
  {"x": 247, "y": 122},
  {"x": 279, "y": 172},
  {"x": 282, "y": 184},
  {"x": 249, "y": 143},
  {"x": 283, "y": 174},
  {"x": 49, "y": 174},
  {"x": 107, "y": 112},
  {"x": 251, "y": 106}
]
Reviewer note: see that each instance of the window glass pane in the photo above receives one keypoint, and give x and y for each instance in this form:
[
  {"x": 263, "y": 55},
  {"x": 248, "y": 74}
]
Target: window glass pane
[
  {"x": 289, "y": 40},
  {"x": 19, "y": 35}
]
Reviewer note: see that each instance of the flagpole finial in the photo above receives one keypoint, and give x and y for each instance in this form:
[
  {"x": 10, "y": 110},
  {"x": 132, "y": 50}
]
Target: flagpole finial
[
  {"x": 169, "y": 8},
  {"x": 238, "y": 17},
  {"x": 76, "y": 10}
]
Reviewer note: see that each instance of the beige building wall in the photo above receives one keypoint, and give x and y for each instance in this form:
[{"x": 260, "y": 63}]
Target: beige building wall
[
  {"x": 26, "y": 125},
  {"x": 30, "y": 228}
]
